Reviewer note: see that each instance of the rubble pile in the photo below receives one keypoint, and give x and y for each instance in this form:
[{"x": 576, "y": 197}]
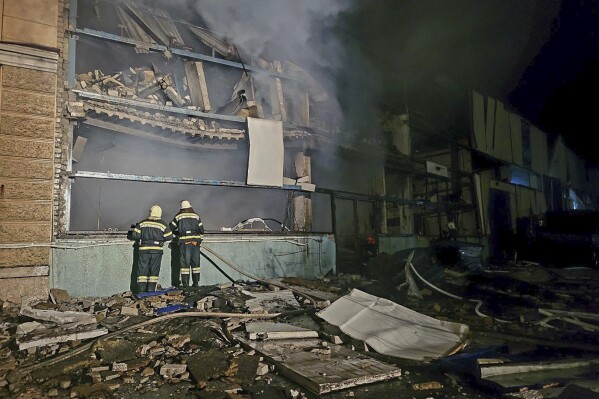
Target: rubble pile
[{"x": 257, "y": 340}]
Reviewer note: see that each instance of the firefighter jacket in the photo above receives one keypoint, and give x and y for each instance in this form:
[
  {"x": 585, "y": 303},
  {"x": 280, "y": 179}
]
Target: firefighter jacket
[
  {"x": 187, "y": 226},
  {"x": 151, "y": 234}
]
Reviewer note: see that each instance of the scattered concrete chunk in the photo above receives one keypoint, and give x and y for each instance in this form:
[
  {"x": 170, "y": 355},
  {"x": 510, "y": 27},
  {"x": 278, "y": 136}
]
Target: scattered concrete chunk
[
  {"x": 171, "y": 370},
  {"x": 59, "y": 296},
  {"x": 129, "y": 311},
  {"x": 119, "y": 367},
  {"x": 425, "y": 386}
]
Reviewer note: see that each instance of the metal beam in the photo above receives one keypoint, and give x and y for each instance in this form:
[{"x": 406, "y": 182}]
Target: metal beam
[
  {"x": 183, "y": 53},
  {"x": 337, "y": 194},
  {"x": 159, "y": 107},
  {"x": 175, "y": 180}
]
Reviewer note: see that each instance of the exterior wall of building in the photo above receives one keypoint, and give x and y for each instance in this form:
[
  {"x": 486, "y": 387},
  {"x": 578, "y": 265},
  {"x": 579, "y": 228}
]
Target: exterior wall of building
[
  {"x": 29, "y": 59},
  {"x": 95, "y": 268}
]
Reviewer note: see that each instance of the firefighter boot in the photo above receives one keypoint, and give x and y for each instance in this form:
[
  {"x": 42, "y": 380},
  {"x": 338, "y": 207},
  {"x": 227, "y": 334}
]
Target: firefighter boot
[
  {"x": 185, "y": 280},
  {"x": 142, "y": 287},
  {"x": 196, "y": 279},
  {"x": 152, "y": 287}
]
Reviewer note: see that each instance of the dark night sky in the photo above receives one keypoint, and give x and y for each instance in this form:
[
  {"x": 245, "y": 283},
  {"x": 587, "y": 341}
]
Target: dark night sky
[
  {"x": 541, "y": 57},
  {"x": 559, "y": 88}
]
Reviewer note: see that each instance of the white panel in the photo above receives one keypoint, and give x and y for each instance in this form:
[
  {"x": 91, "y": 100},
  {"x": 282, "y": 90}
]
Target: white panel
[
  {"x": 490, "y": 130},
  {"x": 267, "y": 152},
  {"x": 516, "y": 134},
  {"x": 478, "y": 121},
  {"x": 502, "y": 139},
  {"x": 436, "y": 169},
  {"x": 558, "y": 166},
  {"x": 538, "y": 149}
]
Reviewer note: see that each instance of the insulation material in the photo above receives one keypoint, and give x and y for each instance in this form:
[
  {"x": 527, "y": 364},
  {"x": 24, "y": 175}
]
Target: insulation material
[
  {"x": 558, "y": 167},
  {"x": 478, "y": 122},
  {"x": 502, "y": 138},
  {"x": 392, "y": 329},
  {"x": 516, "y": 138},
  {"x": 490, "y": 129},
  {"x": 538, "y": 147},
  {"x": 267, "y": 152}
]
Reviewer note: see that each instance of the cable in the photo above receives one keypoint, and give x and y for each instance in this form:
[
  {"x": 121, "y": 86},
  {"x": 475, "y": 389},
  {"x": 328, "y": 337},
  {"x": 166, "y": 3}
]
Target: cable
[{"x": 477, "y": 301}]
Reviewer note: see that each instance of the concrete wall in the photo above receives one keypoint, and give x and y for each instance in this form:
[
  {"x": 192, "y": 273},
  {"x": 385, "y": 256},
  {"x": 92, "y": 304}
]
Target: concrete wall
[
  {"x": 392, "y": 244},
  {"x": 93, "y": 268}
]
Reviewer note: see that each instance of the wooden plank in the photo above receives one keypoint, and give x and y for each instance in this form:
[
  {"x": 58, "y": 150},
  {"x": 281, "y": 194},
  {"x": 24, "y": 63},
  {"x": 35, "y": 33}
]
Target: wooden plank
[
  {"x": 133, "y": 30},
  {"x": 196, "y": 81},
  {"x": 305, "y": 110},
  {"x": 478, "y": 122},
  {"x": 57, "y": 337},
  {"x": 279, "y": 110},
  {"x": 216, "y": 44},
  {"x": 516, "y": 136},
  {"x": 300, "y": 361}
]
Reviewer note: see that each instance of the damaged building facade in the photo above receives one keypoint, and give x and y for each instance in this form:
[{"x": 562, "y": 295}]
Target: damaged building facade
[{"x": 110, "y": 107}]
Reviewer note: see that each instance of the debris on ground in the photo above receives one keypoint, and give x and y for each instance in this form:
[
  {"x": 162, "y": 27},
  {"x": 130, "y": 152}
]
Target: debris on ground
[{"x": 525, "y": 332}]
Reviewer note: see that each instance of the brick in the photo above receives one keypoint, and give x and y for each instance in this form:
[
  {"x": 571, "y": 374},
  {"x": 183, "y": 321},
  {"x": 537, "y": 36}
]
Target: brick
[
  {"x": 14, "y": 211},
  {"x": 28, "y": 169},
  {"x": 26, "y": 127},
  {"x": 33, "y": 256},
  {"x": 29, "y": 79},
  {"x": 26, "y": 190},
  {"x": 28, "y": 103},
  {"x": 17, "y": 147},
  {"x": 13, "y": 232}
]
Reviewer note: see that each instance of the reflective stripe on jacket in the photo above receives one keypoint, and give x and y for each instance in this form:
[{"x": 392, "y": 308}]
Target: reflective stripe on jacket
[
  {"x": 151, "y": 234},
  {"x": 187, "y": 226}
]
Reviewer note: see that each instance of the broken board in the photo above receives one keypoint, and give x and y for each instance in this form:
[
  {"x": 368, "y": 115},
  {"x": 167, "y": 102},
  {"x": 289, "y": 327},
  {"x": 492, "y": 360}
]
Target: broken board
[{"x": 319, "y": 373}]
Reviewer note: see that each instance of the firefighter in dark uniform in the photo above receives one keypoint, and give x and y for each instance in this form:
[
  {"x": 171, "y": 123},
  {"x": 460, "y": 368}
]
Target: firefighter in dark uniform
[
  {"x": 150, "y": 234},
  {"x": 188, "y": 228}
]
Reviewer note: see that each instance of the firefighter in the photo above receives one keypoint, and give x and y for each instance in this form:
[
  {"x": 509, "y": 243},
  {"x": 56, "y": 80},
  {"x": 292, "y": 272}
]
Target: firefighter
[
  {"x": 150, "y": 234},
  {"x": 188, "y": 228}
]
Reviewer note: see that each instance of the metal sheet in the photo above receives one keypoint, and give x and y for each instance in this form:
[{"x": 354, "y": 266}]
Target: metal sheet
[
  {"x": 392, "y": 329},
  {"x": 267, "y": 152}
]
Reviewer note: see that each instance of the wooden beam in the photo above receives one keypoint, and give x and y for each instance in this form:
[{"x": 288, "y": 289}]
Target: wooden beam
[{"x": 196, "y": 81}]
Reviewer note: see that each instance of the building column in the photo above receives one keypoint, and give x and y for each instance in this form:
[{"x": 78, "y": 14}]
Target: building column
[
  {"x": 302, "y": 203},
  {"x": 402, "y": 139}
]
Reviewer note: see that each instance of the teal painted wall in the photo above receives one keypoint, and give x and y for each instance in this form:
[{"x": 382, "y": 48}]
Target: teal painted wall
[{"x": 100, "y": 268}]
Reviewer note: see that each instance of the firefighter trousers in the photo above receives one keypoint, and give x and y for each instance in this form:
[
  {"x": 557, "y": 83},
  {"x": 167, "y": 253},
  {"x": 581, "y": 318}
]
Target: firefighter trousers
[
  {"x": 190, "y": 259},
  {"x": 148, "y": 270}
]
